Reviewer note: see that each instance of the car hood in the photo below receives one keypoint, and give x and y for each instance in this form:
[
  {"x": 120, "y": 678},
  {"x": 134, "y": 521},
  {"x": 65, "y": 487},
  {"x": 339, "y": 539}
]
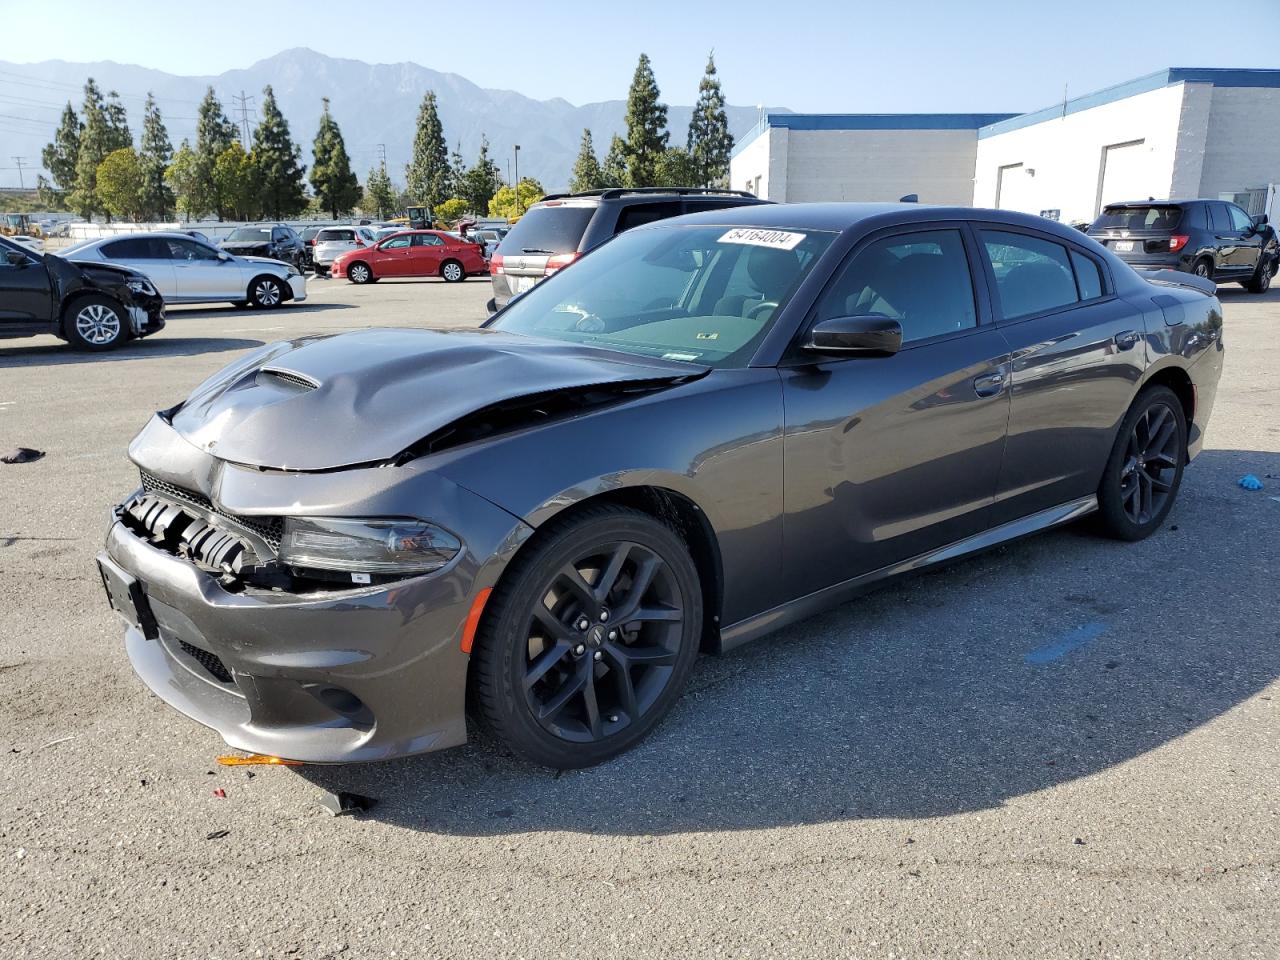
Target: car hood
[
  {"x": 269, "y": 261},
  {"x": 365, "y": 397},
  {"x": 244, "y": 246}
]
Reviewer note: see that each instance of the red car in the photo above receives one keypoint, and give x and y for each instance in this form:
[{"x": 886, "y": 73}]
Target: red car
[{"x": 413, "y": 253}]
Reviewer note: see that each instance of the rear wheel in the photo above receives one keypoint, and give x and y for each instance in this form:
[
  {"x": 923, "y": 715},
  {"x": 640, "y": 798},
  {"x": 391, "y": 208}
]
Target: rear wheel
[
  {"x": 359, "y": 272},
  {"x": 96, "y": 323},
  {"x": 1204, "y": 268},
  {"x": 1144, "y": 471},
  {"x": 266, "y": 293},
  {"x": 588, "y": 639},
  {"x": 451, "y": 272}
]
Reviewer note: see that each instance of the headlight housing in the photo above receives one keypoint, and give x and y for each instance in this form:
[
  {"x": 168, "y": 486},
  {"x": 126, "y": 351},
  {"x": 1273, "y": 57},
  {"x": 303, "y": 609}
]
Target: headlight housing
[
  {"x": 141, "y": 285},
  {"x": 373, "y": 546}
]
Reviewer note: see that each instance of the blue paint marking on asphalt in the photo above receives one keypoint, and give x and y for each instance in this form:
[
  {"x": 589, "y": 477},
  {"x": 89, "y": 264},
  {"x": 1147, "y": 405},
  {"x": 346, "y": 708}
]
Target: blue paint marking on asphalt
[{"x": 1069, "y": 641}]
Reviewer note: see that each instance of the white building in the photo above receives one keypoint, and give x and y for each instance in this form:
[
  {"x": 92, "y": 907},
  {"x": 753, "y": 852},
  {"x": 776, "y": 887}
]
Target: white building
[{"x": 1179, "y": 133}]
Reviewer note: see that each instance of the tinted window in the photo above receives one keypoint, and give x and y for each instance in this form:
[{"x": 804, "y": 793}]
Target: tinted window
[
  {"x": 1239, "y": 219},
  {"x": 324, "y": 235},
  {"x": 919, "y": 279},
  {"x": 1032, "y": 275},
  {"x": 548, "y": 230},
  {"x": 1219, "y": 217},
  {"x": 1088, "y": 276},
  {"x": 427, "y": 240},
  {"x": 279, "y": 235},
  {"x": 190, "y": 250},
  {"x": 637, "y": 215},
  {"x": 134, "y": 248},
  {"x": 1154, "y": 217},
  {"x": 1194, "y": 217}
]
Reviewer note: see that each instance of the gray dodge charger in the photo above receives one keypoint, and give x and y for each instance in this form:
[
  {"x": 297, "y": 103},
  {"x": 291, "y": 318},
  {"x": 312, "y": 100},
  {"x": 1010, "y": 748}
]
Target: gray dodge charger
[{"x": 706, "y": 429}]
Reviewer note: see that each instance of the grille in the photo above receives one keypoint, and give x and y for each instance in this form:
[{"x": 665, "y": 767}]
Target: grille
[
  {"x": 211, "y": 663},
  {"x": 270, "y": 529},
  {"x": 288, "y": 376}
]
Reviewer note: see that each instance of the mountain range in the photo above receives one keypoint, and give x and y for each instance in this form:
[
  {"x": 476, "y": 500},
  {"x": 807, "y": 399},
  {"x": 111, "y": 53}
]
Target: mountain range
[{"x": 375, "y": 104}]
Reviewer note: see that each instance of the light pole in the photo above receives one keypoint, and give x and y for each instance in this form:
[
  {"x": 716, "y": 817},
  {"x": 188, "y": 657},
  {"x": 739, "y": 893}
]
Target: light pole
[{"x": 516, "y": 178}]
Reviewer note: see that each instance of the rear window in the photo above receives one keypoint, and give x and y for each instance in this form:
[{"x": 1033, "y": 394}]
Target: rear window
[
  {"x": 1154, "y": 217},
  {"x": 548, "y": 230},
  {"x": 134, "y": 248},
  {"x": 335, "y": 235}
]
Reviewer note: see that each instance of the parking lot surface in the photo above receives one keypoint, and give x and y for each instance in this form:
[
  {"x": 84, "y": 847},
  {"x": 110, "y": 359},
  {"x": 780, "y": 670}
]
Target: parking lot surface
[{"x": 1067, "y": 747}]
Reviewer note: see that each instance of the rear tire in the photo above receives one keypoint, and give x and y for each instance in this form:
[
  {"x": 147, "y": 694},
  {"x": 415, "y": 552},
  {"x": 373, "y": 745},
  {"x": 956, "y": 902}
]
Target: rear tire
[
  {"x": 96, "y": 323},
  {"x": 588, "y": 638},
  {"x": 451, "y": 272},
  {"x": 266, "y": 292},
  {"x": 359, "y": 272},
  {"x": 1144, "y": 471},
  {"x": 1203, "y": 268}
]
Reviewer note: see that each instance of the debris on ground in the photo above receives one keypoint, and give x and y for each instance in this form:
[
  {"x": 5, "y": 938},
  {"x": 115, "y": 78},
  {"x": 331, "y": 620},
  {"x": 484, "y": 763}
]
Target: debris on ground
[
  {"x": 257, "y": 759},
  {"x": 342, "y": 803},
  {"x": 1250, "y": 482},
  {"x": 22, "y": 455},
  {"x": 218, "y": 834},
  {"x": 1079, "y": 842},
  {"x": 220, "y": 793}
]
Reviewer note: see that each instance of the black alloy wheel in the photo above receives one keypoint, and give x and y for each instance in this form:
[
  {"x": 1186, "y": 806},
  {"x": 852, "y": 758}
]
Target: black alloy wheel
[
  {"x": 1204, "y": 268},
  {"x": 588, "y": 640},
  {"x": 1145, "y": 469}
]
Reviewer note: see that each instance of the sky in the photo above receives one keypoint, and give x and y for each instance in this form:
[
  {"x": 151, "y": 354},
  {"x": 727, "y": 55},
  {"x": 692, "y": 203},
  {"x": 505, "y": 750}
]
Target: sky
[{"x": 820, "y": 56}]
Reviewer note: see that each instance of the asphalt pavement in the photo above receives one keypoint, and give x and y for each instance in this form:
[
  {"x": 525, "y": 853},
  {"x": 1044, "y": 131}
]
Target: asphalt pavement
[{"x": 1067, "y": 747}]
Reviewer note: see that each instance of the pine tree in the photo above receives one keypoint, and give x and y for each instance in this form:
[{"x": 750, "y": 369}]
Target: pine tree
[
  {"x": 646, "y": 126},
  {"x": 379, "y": 193},
  {"x": 60, "y": 156},
  {"x": 481, "y": 181},
  {"x": 427, "y": 175},
  {"x": 214, "y": 133},
  {"x": 710, "y": 142},
  {"x": 586, "y": 169},
  {"x": 278, "y": 162},
  {"x": 675, "y": 168},
  {"x": 155, "y": 156},
  {"x": 613, "y": 172},
  {"x": 336, "y": 188},
  {"x": 97, "y": 139},
  {"x": 118, "y": 135}
]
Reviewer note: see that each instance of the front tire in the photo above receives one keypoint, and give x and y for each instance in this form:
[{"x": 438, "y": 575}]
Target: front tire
[
  {"x": 451, "y": 272},
  {"x": 589, "y": 637},
  {"x": 359, "y": 272},
  {"x": 266, "y": 293},
  {"x": 1260, "y": 282},
  {"x": 1144, "y": 471},
  {"x": 96, "y": 323}
]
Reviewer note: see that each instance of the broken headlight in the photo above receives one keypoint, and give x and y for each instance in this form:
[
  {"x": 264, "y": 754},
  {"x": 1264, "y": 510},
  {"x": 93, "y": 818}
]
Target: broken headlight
[
  {"x": 142, "y": 285},
  {"x": 366, "y": 546}
]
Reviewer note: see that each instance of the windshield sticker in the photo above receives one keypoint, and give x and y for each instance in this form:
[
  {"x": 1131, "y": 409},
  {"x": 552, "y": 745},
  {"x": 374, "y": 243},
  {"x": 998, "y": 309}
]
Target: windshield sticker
[
  {"x": 680, "y": 356},
  {"x": 778, "y": 239}
]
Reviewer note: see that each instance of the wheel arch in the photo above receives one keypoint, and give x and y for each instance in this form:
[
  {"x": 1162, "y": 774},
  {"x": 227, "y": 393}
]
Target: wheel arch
[
  {"x": 1179, "y": 381},
  {"x": 286, "y": 288}
]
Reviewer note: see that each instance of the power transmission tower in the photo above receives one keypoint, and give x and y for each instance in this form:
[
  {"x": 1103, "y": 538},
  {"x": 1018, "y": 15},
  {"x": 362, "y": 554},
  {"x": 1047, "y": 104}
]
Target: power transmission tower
[
  {"x": 242, "y": 104},
  {"x": 382, "y": 156},
  {"x": 20, "y": 161}
]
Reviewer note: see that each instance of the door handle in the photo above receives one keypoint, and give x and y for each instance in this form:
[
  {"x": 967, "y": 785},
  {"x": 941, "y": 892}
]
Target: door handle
[
  {"x": 989, "y": 384},
  {"x": 1126, "y": 339}
]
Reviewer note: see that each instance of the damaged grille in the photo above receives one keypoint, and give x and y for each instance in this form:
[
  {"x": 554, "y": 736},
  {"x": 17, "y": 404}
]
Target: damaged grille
[
  {"x": 268, "y": 529},
  {"x": 212, "y": 664}
]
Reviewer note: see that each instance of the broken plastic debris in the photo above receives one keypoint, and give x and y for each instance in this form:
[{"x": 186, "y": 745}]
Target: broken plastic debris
[
  {"x": 218, "y": 834},
  {"x": 258, "y": 758},
  {"x": 22, "y": 455},
  {"x": 1250, "y": 482},
  {"x": 220, "y": 793},
  {"x": 340, "y": 803}
]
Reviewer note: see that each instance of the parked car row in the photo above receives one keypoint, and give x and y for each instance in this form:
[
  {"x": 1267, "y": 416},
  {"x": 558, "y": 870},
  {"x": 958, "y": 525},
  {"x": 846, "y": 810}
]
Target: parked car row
[{"x": 412, "y": 253}]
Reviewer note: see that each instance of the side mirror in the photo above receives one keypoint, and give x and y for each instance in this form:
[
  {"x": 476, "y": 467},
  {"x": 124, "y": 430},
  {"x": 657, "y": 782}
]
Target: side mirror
[
  {"x": 15, "y": 258},
  {"x": 1260, "y": 220},
  {"x": 869, "y": 336},
  {"x": 224, "y": 256}
]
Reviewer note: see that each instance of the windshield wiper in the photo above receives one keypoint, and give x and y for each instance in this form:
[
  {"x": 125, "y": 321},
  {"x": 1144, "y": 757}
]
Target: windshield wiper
[{"x": 535, "y": 250}]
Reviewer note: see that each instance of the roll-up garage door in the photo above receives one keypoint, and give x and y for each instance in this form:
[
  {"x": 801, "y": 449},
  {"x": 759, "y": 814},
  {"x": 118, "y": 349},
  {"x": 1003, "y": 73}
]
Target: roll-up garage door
[{"x": 1125, "y": 174}]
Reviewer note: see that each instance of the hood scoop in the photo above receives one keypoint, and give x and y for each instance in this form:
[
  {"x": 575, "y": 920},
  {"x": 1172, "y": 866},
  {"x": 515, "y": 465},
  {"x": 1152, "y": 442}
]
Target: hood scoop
[{"x": 375, "y": 396}]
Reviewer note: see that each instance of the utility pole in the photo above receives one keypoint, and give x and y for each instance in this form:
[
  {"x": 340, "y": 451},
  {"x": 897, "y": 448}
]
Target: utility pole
[
  {"x": 20, "y": 161},
  {"x": 242, "y": 104},
  {"x": 382, "y": 156},
  {"x": 517, "y": 179}
]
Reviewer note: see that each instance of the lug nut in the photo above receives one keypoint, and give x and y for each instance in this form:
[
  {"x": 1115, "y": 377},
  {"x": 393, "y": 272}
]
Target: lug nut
[
  {"x": 582, "y": 623},
  {"x": 604, "y": 616},
  {"x": 579, "y": 650},
  {"x": 598, "y": 655},
  {"x": 613, "y": 634}
]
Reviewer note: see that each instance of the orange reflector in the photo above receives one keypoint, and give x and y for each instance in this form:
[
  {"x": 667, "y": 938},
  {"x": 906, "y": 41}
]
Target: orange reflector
[
  {"x": 473, "y": 619},
  {"x": 258, "y": 759}
]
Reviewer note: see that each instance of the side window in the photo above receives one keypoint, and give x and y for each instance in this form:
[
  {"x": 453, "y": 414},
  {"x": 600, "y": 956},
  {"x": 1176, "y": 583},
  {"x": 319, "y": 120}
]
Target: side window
[
  {"x": 921, "y": 280},
  {"x": 1088, "y": 276},
  {"x": 639, "y": 214},
  {"x": 396, "y": 243},
  {"x": 1219, "y": 217},
  {"x": 134, "y": 248},
  {"x": 190, "y": 250},
  {"x": 427, "y": 240},
  {"x": 1240, "y": 220},
  {"x": 1195, "y": 217},
  {"x": 1032, "y": 275}
]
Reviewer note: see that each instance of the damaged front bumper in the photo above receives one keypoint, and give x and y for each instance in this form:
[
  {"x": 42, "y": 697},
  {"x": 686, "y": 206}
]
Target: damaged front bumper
[{"x": 315, "y": 673}]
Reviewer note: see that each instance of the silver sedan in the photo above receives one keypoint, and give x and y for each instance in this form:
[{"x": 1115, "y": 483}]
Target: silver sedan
[{"x": 187, "y": 270}]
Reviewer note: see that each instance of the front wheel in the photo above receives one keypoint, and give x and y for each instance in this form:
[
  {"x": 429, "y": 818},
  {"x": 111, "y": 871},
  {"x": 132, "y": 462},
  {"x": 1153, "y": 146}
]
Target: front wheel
[
  {"x": 1260, "y": 282},
  {"x": 451, "y": 272},
  {"x": 266, "y": 293},
  {"x": 588, "y": 638},
  {"x": 96, "y": 323},
  {"x": 1144, "y": 471},
  {"x": 359, "y": 273}
]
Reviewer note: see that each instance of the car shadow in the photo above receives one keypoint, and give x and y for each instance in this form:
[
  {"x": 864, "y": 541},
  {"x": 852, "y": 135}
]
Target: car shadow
[
  {"x": 1234, "y": 292},
  {"x": 223, "y": 309},
  {"x": 1051, "y": 659},
  {"x": 51, "y": 352}
]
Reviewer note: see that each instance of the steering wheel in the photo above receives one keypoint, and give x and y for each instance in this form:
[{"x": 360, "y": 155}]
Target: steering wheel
[{"x": 761, "y": 307}]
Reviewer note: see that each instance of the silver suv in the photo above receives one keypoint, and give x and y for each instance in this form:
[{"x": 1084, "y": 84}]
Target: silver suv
[{"x": 333, "y": 242}]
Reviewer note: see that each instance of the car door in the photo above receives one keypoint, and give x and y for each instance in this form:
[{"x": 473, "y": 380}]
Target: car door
[
  {"x": 426, "y": 255},
  {"x": 149, "y": 256},
  {"x": 1248, "y": 240},
  {"x": 890, "y": 457},
  {"x": 202, "y": 274},
  {"x": 1077, "y": 354},
  {"x": 391, "y": 257},
  {"x": 1226, "y": 239},
  {"x": 26, "y": 295}
]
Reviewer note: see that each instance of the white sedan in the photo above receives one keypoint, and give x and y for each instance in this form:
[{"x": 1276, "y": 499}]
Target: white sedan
[
  {"x": 187, "y": 270},
  {"x": 32, "y": 243}
]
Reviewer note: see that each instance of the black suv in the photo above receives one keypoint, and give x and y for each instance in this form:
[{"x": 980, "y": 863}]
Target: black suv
[
  {"x": 1214, "y": 239},
  {"x": 277, "y": 241},
  {"x": 558, "y": 229},
  {"x": 93, "y": 306}
]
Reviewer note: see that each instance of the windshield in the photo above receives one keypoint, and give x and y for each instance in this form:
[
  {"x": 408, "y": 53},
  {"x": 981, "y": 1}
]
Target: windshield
[
  {"x": 257, "y": 234},
  {"x": 704, "y": 295},
  {"x": 1155, "y": 217}
]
